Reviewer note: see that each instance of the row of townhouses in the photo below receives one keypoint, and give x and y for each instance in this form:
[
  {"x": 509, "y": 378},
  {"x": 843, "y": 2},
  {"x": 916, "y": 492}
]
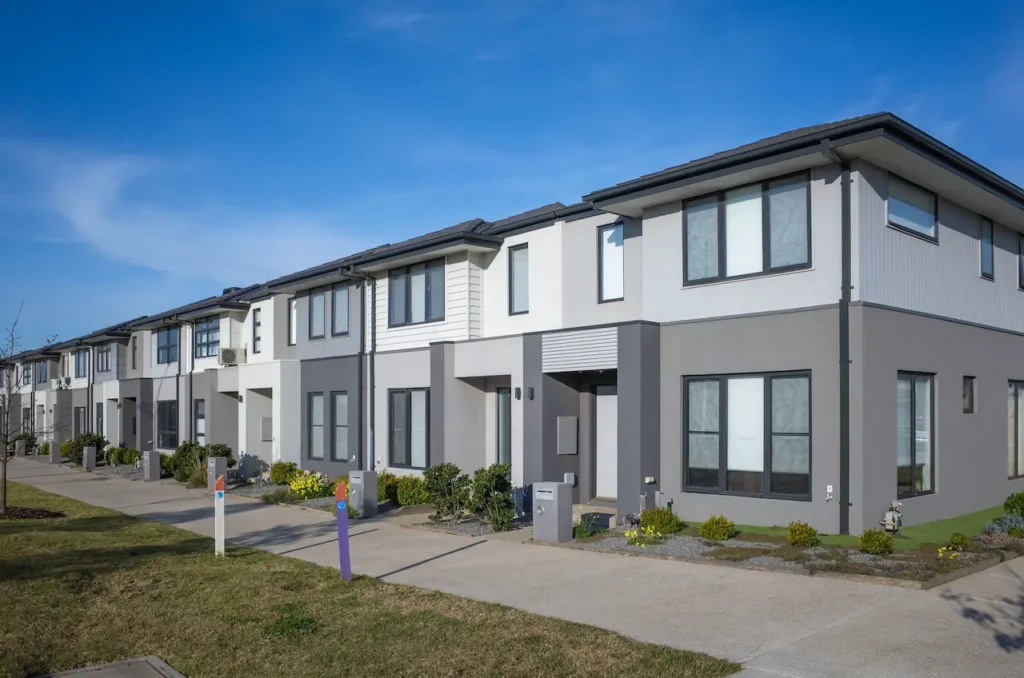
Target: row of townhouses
[{"x": 803, "y": 328}]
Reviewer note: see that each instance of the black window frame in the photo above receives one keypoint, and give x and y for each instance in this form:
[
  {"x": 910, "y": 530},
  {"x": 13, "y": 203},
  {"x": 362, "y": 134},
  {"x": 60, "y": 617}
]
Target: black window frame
[
  {"x": 41, "y": 372},
  {"x": 135, "y": 352},
  {"x": 507, "y": 391},
  {"x": 207, "y": 347},
  {"x": 257, "y": 332},
  {"x": 322, "y": 293},
  {"x": 394, "y": 273},
  {"x": 335, "y": 425},
  {"x": 293, "y": 320},
  {"x": 167, "y": 339},
  {"x": 511, "y": 278},
  {"x": 26, "y": 375},
  {"x": 1018, "y": 397},
  {"x": 103, "y": 358},
  {"x": 79, "y": 418},
  {"x": 903, "y": 229},
  {"x": 408, "y": 427},
  {"x": 1020, "y": 262},
  {"x": 99, "y": 418},
  {"x": 969, "y": 394},
  {"x": 167, "y": 414},
  {"x": 766, "y": 234},
  {"x": 196, "y": 403},
  {"x": 81, "y": 363},
  {"x": 600, "y": 262},
  {"x": 723, "y": 433},
  {"x": 334, "y": 307},
  {"x": 914, "y": 376},
  {"x": 987, "y": 275},
  {"x": 310, "y": 426}
]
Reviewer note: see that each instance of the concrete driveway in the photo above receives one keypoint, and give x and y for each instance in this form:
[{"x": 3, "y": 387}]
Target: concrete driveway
[{"x": 774, "y": 623}]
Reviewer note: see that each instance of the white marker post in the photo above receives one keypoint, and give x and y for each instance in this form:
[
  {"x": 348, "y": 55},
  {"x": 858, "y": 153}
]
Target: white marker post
[{"x": 218, "y": 516}]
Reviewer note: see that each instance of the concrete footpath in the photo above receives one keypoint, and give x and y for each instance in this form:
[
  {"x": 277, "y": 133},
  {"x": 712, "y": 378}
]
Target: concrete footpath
[{"x": 773, "y": 623}]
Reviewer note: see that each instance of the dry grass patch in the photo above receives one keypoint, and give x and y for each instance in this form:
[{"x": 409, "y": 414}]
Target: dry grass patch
[{"x": 99, "y": 586}]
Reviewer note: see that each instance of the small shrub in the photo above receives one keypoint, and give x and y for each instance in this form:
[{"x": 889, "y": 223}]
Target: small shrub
[
  {"x": 387, "y": 487},
  {"x": 31, "y": 442},
  {"x": 44, "y": 449},
  {"x": 448, "y": 490},
  {"x": 643, "y": 537},
  {"x": 65, "y": 449},
  {"x": 1007, "y": 524},
  {"x": 662, "y": 520},
  {"x": 114, "y": 456},
  {"x": 282, "y": 472},
  {"x": 959, "y": 541},
  {"x": 283, "y": 495},
  {"x": 587, "y": 528},
  {"x": 1014, "y": 505},
  {"x": 311, "y": 486},
  {"x": 197, "y": 478},
  {"x": 876, "y": 542},
  {"x": 130, "y": 455},
  {"x": 801, "y": 534},
  {"x": 717, "y": 528},
  {"x": 492, "y": 496},
  {"x": 411, "y": 490},
  {"x": 183, "y": 461},
  {"x": 74, "y": 449},
  {"x": 220, "y": 450}
]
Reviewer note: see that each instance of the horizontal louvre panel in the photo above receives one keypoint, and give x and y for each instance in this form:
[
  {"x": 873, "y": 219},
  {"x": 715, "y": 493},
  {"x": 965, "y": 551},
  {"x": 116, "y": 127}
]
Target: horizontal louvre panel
[{"x": 581, "y": 350}]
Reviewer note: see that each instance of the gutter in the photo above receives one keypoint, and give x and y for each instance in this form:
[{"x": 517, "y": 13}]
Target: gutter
[
  {"x": 553, "y": 215},
  {"x": 371, "y": 363},
  {"x": 844, "y": 353}
]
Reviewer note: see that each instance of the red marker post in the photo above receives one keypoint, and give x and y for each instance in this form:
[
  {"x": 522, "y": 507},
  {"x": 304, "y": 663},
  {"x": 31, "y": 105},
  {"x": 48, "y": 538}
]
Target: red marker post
[
  {"x": 218, "y": 516},
  {"x": 341, "y": 502}
]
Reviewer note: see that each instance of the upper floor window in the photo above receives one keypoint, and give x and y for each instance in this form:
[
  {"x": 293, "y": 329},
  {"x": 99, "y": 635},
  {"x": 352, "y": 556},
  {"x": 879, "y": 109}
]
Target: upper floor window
[
  {"x": 317, "y": 320},
  {"x": 40, "y": 372},
  {"x": 135, "y": 352},
  {"x": 26, "y": 375},
  {"x": 988, "y": 264},
  {"x": 747, "y": 231},
  {"x": 339, "y": 309},
  {"x": 64, "y": 365},
  {"x": 167, "y": 345},
  {"x": 293, "y": 321},
  {"x": 103, "y": 358},
  {"x": 81, "y": 363},
  {"x": 257, "y": 330},
  {"x": 913, "y": 209},
  {"x": 207, "y": 337},
  {"x": 1020, "y": 262},
  {"x": 416, "y": 293},
  {"x": 518, "y": 279},
  {"x": 610, "y": 279}
]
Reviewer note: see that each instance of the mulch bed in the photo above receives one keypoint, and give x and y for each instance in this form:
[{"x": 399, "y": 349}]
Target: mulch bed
[{"x": 26, "y": 513}]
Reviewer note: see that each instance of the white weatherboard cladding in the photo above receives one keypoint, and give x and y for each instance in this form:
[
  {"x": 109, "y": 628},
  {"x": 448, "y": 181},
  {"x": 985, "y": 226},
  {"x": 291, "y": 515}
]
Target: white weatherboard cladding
[{"x": 596, "y": 349}]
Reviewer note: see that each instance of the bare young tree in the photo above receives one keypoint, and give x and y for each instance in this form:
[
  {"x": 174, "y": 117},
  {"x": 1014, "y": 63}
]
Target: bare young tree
[{"x": 13, "y": 427}]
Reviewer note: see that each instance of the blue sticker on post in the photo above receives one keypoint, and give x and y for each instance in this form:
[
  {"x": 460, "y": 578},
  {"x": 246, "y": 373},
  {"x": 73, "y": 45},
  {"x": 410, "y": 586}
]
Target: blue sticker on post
[
  {"x": 341, "y": 505},
  {"x": 220, "y": 494}
]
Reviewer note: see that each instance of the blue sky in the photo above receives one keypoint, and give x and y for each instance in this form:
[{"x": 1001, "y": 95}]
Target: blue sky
[{"x": 152, "y": 153}]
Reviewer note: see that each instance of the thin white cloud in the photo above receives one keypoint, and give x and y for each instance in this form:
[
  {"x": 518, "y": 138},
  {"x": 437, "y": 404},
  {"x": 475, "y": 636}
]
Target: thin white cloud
[
  {"x": 395, "y": 21},
  {"x": 93, "y": 195}
]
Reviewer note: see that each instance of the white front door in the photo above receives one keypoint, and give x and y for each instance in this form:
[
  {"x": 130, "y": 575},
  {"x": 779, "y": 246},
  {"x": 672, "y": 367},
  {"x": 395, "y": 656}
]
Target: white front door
[{"x": 606, "y": 415}]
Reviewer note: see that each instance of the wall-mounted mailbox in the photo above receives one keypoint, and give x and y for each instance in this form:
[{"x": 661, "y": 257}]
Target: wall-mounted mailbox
[{"x": 567, "y": 434}]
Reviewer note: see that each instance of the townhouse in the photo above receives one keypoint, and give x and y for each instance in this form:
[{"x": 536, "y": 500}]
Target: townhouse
[{"x": 802, "y": 328}]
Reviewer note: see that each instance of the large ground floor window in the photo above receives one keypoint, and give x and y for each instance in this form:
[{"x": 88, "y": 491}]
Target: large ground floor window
[
  {"x": 748, "y": 434},
  {"x": 915, "y": 434},
  {"x": 167, "y": 424},
  {"x": 408, "y": 427},
  {"x": 1015, "y": 432}
]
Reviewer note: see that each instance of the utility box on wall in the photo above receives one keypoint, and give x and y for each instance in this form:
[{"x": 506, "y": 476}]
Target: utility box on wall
[{"x": 568, "y": 428}]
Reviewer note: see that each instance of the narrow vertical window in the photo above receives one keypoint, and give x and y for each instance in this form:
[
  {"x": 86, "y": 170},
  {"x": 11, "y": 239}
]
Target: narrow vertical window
[
  {"x": 791, "y": 436},
  {"x": 744, "y": 226},
  {"x": 788, "y": 223},
  {"x": 397, "y": 281},
  {"x": 317, "y": 321},
  {"x": 518, "y": 279},
  {"x": 968, "y": 395},
  {"x": 339, "y": 309},
  {"x": 339, "y": 422},
  {"x": 257, "y": 330},
  {"x": 610, "y": 263},
  {"x": 1020, "y": 262},
  {"x": 293, "y": 322},
  {"x": 504, "y": 427},
  {"x": 914, "y": 434},
  {"x": 135, "y": 352},
  {"x": 988, "y": 264},
  {"x": 745, "y": 435},
  {"x": 1015, "y": 420},
  {"x": 79, "y": 421},
  {"x": 398, "y": 425},
  {"x": 316, "y": 425},
  {"x": 99, "y": 420},
  {"x": 701, "y": 240},
  {"x": 166, "y": 423},
  {"x": 81, "y": 363},
  {"x": 199, "y": 406}
]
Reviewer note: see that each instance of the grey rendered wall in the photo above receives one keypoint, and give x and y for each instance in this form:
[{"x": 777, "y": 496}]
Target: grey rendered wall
[
  {"x": 327, "y": 376},
  {"x": 396, "y": 369},
  {"x": 329, "y": 346},
  {"x": 458, "y": 416},
  {"x": 61, "y": 415},
  {"x": 580, "y": 305},
  {"x": 902, "y": 271},
  {"x": 139, "y": 391},
  {"x": 143, "y": 355},
  {"x": 970, "y": 449},
  {"x": 258, "y": 403},
  {"x": 798, "y": 340},
  {"x": 639, "y": 424}
]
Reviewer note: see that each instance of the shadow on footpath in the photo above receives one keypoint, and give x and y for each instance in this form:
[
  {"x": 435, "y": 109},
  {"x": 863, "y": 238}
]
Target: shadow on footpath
[{"x": 1003, "y": 618}]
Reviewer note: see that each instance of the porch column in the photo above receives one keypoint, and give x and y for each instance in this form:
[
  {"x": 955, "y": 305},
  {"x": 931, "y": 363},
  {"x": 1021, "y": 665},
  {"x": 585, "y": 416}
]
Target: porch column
[{"x": 639, "y": 389}]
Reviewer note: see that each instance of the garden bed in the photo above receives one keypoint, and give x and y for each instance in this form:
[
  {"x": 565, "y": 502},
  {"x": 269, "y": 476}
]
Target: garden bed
[{"x": 471, "y": 526}]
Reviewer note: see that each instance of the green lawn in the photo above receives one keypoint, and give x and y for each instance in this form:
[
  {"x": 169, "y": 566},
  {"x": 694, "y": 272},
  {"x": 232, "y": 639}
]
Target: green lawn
[
  {"x": 98, "y": 586},
  {"x": 907, "y": 539}
]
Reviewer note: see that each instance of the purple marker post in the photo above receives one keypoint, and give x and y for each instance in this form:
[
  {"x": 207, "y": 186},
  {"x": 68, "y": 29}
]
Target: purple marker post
[{"x": 341, "y": 502}]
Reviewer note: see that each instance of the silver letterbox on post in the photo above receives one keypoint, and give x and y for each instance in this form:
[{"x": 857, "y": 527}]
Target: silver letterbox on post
[
  {"x": 89, "y": 459},
  {"x": 150, "y": 465},
  {"x": 362, "y": 489},
  {"x": 552, "y": 512},
  {"x": 54, "y": 452},
  {"x": 216, "y": 467}
]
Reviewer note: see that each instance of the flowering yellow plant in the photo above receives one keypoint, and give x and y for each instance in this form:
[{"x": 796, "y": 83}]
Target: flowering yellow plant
[
  {"x": 643, "y": 537},
  {"x": 948, "y": 553},
  {"x": 311, "y": 485}
]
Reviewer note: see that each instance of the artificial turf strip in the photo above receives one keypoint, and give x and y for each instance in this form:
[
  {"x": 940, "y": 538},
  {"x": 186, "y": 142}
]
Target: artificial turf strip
[{"x": 99, "y": 586}]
